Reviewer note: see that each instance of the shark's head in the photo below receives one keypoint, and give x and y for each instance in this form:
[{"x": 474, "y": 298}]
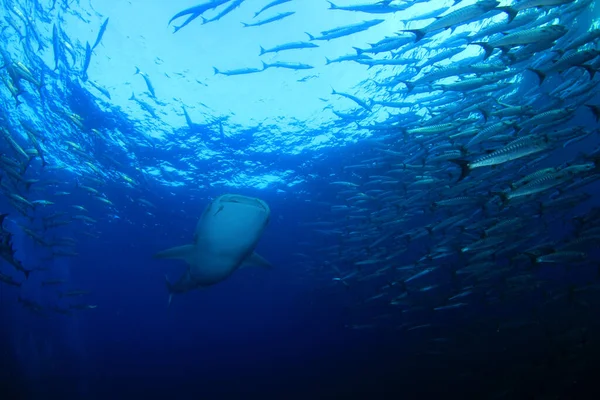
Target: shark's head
[{"x": 232, "y": 221}]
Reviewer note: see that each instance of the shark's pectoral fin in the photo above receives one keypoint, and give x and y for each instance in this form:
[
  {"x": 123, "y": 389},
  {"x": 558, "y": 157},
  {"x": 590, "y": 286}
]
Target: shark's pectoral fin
[
  {"x": 185, "y": 253},
  {"x": 254, "y": 260}
]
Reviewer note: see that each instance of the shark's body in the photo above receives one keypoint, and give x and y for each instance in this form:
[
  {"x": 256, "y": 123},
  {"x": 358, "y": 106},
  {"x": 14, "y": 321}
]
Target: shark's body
[{"x": 224, "y": 240}]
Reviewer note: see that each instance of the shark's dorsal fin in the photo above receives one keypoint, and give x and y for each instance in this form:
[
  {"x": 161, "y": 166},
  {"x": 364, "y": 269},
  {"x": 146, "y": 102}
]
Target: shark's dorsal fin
[{"x": 255, "y": 260}]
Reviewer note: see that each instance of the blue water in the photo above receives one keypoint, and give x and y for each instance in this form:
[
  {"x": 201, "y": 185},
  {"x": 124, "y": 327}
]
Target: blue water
[{"x": 289, "y": 332}]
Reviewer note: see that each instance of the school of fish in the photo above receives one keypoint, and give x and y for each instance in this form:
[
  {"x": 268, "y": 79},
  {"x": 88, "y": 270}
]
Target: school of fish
[{"x": 475, "y": 173}]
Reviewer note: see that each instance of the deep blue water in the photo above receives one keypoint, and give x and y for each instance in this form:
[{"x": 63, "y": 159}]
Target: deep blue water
[{"x": 292, "y": 331}]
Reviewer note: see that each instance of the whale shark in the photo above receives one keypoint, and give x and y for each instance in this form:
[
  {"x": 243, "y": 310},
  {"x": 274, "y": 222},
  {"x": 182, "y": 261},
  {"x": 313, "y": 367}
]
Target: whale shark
[{"x": 224, "y": 240}]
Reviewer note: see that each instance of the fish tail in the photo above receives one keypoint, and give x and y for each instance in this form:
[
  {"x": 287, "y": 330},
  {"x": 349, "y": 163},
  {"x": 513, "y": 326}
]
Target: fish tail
[
  {"x": 503, "y": 197},
  {"x": 541, "y": 209},
  {"x": 505, "y": 50},
  {"x": 511, "y": 58},
  {"x": 486, "y": 48},
  {"x": 265, "y": 65},
  {"x": 532, "y": 258},
  {"x": 245, "y": 24},
  {"x": 485, "y": 210},
  {"x": 595, "y": 110},
  {"x": 540, "y": 74},
  {"x": 484, "y": 114},
  {"x": 464, "y": 167},
  {"x": 132, "y": 96},
  {"x": 404, "y": 139},
  {"x": 41, "y": 83},
  {"x": 432, "y": 207},
  {"x": 590, "y": 70},
  {"x": 419, "y": 33},
  {"x": 332, "y": 6},
  {"x": 137, "y": 71},
  {"x": 327, "y": 61},
  {"x": 27, "y": 164},
  {"x": 310, "y": 37},
  {"x": 358, "y": 50},
  {"x": 216, "y": 70},
  {"x": 262, "y": 51},
  {"x": 409, "y": 85},
  {"x": 510, "y": 12}
]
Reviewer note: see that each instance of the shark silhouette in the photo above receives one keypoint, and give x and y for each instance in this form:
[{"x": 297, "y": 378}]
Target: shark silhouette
[{"x": 224, "y": 240}]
